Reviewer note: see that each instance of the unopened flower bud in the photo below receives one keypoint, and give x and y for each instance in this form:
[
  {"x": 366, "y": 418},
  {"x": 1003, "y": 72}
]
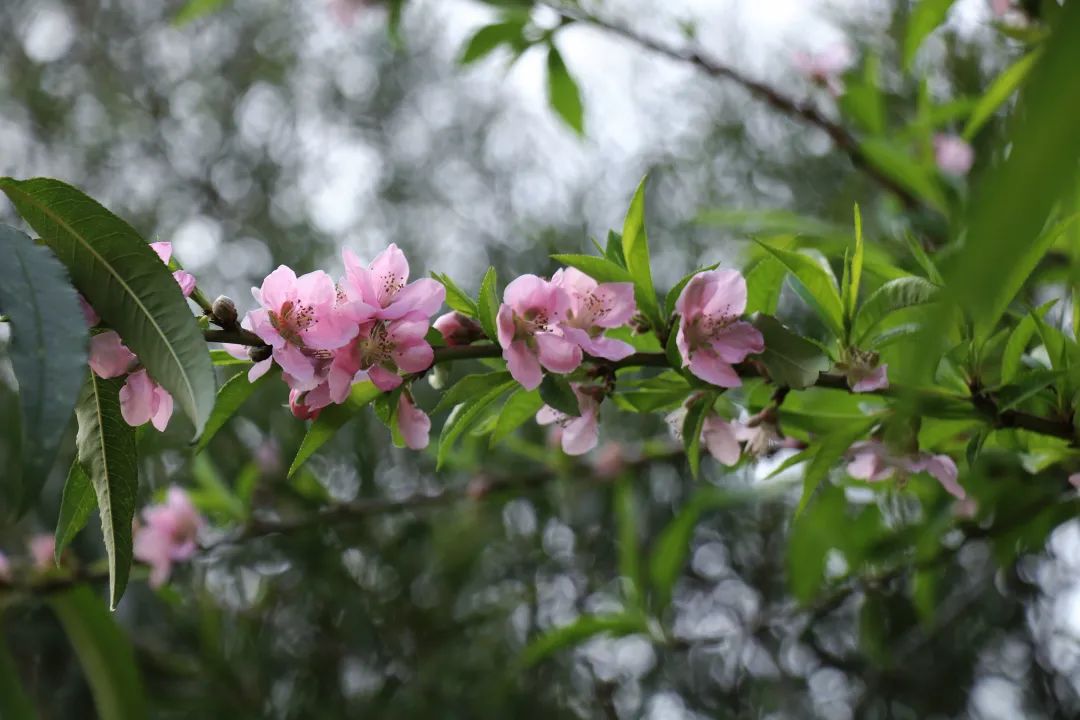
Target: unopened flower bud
[
  {"x": 299, "y": 409},
  {"x": 458, "y": 329},
  {"x": 224, "y": 310},
  {"x": 258, "y": 353}
]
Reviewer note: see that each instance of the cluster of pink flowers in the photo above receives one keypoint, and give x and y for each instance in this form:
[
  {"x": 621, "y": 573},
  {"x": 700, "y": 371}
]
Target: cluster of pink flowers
[
  {"x": 326, "y": 337},
  {"x": 168, "y": 534},
  {"x": 874, "y": 461},
  {"x": 141, "y": 399}
]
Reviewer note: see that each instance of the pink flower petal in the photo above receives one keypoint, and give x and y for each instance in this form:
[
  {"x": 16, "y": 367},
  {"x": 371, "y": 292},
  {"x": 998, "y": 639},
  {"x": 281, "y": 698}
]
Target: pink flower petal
[
  {"x": 711, "y": 368},
  {"x": 186, "y": 281},
  {"x": 163, "y": 250},
  {"x": 137, "y": 399},
  {"x": 876, "y": 380},
  {"x": 557, "y": 354},
  {"x": 414, "y": 424},
  {"x": 719, "y": 438},
  {"x": 523, "y": 365},
  {"x": 738, "y": 340},
  {"x": 109, "y": 357}
]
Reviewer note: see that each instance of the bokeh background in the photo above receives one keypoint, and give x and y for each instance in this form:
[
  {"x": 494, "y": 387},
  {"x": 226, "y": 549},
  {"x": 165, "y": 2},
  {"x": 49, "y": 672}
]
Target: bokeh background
[{"x": 280, "y": 132}]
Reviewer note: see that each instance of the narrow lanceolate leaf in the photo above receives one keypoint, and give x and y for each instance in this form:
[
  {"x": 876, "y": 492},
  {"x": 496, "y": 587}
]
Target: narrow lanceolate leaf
[
  {"x": 1000, "y": 90},
  {"x": 106, "y": 448},
  {"x": 820, "y": 286},
  {"x": 465, "y": 416},
  {"x": 577, "y": 632},
  {"x": 488, "y": 305},
  {"x": 518, "y": 409},
  {"x": 48, "y": 354},
  {"x": 626, "y": 522},
  {"x": 556, "y": 392},
  {"x": 563, "y": 93},
  {"x": 792, "y": 361},
  {"x": 75, "y": 508},
  {"x": 890, "y": 297},
  {"x": 469, "y": 387},
  {"x": 14, "y": 702},
  {"x": 598, "y": 268},
  {"x": 104, "y": 652},
  {"x": 693, "y": 424},
  {"x": 128, "y": 286},
  {"x": 926, "y": 16},
  {"x": 895, "y": 161},
  {"x": 331, "y": 419},
  {"x": 488, "y": 38},
  {"x": 829, "y": 452},
  {"x": 232, "y": 394},
  {"x": 851, "y": 298},
  {"x": 635, "y": 250},
  {"x": 456, "y": 298}
]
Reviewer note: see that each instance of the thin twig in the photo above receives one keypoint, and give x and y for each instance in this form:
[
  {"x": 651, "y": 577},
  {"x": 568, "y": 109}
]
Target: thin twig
[{"x": 772, "y": 97}]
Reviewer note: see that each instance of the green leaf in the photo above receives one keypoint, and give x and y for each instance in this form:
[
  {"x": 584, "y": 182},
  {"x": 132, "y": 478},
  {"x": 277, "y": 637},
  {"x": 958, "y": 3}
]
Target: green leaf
[
  {"x": 895, "y": 162},
  {"x": 577, "y": 632},
  {"x": 613, "y": 249},
  {"x": 221, "y": 358},
  {"x": 1009, "y": 208},
  {"x": 519, "y": 408},
  {"x": 635, "y": 247},
  {"x": 855, "y": 274},
  {"x": 106, "y": 451},
  {"x": 469, "y": 386},
  {"x": 1000, "y": 90},
  {"x": 693, "y": 423},
  {"x": 1018, "y": 342},
  {"x": 488, "y": 305},
  {"x": 14, "y": 703},
  {"x": 660, "y": 392},
  {"x": 465, "y": 416},
  {"x": 195, "y": 9},
  {"x": 48, "y": 354},
  {"x": 457, "y": 298},
  {"x": 813, "y": 534},
  {"x": 556, "y": 392},
  {"x": 626, "y": 522},
  {"x": 770, "y": 223},
  {"x": 763, "y": 283},
  {"x": 925, "y": 17},
  {"x": 231, "y": 395},
  {"x": 890, "y": 297},
  {"x": 830, "y": 450},
  {"x": 928, "y": 266},
  {"x": 485, "y": 40},
  {"x": 127, "y": 284},
  {"x": 673, "y": 295},
  {"x": 104, "y": 652},
  {"x": 599, "y": 269},
  {"x": 863, "y": 101},
  {"x": 1031, "y": 384},
  {"x": 818, "y": 283},
  {"x": 563, "y": 93},
  {"x": 792, "y": 361},
  {"x": 331, "y": 419},
  {"x": 75, "y": 508}
]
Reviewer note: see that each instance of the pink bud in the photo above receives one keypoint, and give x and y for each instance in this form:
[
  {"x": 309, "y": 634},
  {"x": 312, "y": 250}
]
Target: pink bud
[
  {"x": 457, "y": 329},
  {"x": 953, "y": 155},
  {"x": 299, "y": 409},
  {"x": 42, "y": 549}
]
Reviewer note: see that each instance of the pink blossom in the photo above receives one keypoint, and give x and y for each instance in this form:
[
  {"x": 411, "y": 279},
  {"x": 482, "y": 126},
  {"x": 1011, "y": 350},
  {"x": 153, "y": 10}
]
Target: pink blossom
[
  {"x": 876, "y": 379},
  {"x": 88, "y": 312},
  {"x": 529, "y": 331},
  {"x": 168, "y": 536},
  {"x": 953, "y": 155},
  {"x": 382, "y": 290},
  {"x": 183, "y": 278},
  {"x": 579, "y": 433},
  {"x": 414, "y": 424},
  {"x": 610, "y": 460},
  {"x": 5, "y": 568},
  {"x": 825, "y": 67},
  {"x": 298, "y": 318},
  {"x": 243, "y": 352},
  {"x": 711, "y": 337},
  {"x": 380, "y": 350},
  {"x": 143, "y": 400},
  {"x": 720, "y": 437},
  {"x": 457, "y": 329},
  {"x": 43, "y": 551},
  {"x": 109, "y": 357},
  {"x": 595, "y": 307},
  {"x": 873, "y": 461},
  {"x": 1074, "y": 480}
]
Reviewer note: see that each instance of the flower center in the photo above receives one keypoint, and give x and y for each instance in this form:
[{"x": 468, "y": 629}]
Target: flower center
[
  {"x": 388, "y": 287},
  {"x": 291, "y": 320},
  {"x": 376, "y": 348}
]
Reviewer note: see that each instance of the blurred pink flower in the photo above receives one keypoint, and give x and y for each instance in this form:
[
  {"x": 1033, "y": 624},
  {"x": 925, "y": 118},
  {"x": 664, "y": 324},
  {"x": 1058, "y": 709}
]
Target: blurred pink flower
[
  {"x": 413, "y": 422},
  {"x": 1000, "y": 8},
  {"x": 610, "y": 460},
  {"x": 42, "y": 551},
  {"x": 721, "y": 439},
  {"x": 168, "y": 535},
  {"x": 875, "y": 379},
  {"x": 143, "y": 400},
  {"x": 382, "y": 290},
  {"x": 826, "y": 67},
  {"x": 1074, "y": 480},
  {"x": 458, "y": 329},
  {"x": 873, "y": 461},
  {"x": 529, "y": 332},
  {"x": 711, "y": 337},
  {"x": 88, "y": 312},
  {"x": 595, "y": 307},
  {"x": 5, "y": 568},
  {"x": 298, "y": 318},
  {"x": 580, "y": 433},
  {"x": 109, "y": 357},
  {"x": 953, "y": 155}
]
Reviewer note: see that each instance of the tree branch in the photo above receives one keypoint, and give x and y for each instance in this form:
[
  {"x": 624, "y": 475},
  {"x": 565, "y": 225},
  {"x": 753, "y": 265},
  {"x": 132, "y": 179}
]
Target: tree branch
[{"x": 803, "y": 111}]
